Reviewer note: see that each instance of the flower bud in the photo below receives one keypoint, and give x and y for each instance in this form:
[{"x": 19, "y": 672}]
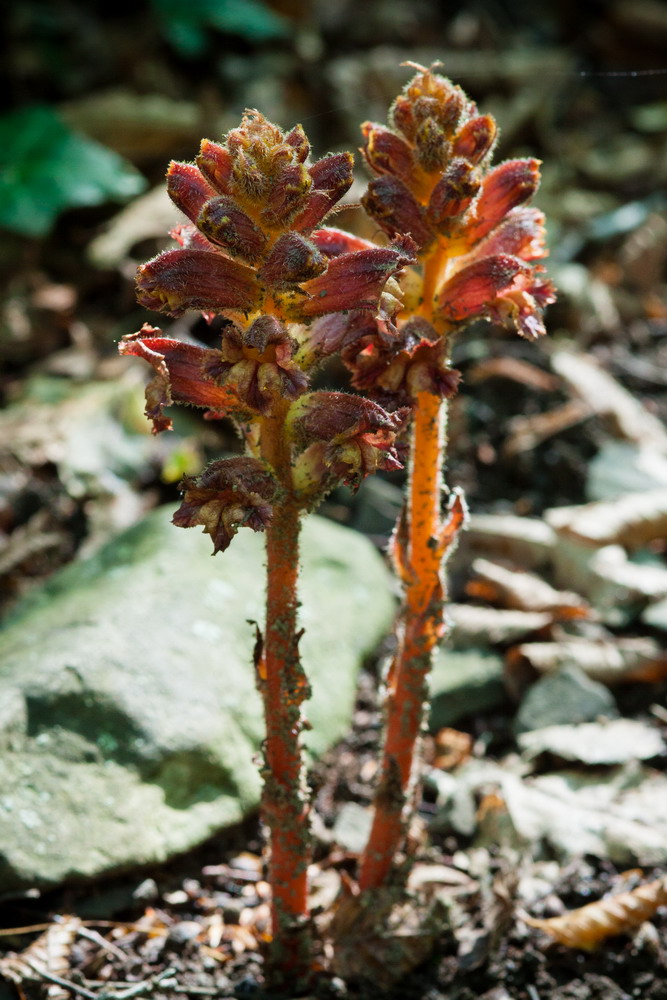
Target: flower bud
[
  {"x": 299, "y": 141},
  {"x": 215, "y": 163},
  {"x": 355, "y": 280},
  {"x": 187, "y": 188},
  {"x": 453, "y": 193},
  {"x": 505, "y": 187},
  {"x": 432, "y": 148},
  {"x": 293, "y": 259},
  {"x": 521, "y": 233},
  {"x": 385, "y": 152},
  {"x": 229, "y": 494},
  {"x": 334, "y": 242},
  {"x": 396, "y": 210},
  {"x": 331, "y": 177},
  {"x": 195, "y": 279},
  {"x": 287, "y": 196},
  {"x": 475, "y": 139},
  {"x": 224, "y": 223}
]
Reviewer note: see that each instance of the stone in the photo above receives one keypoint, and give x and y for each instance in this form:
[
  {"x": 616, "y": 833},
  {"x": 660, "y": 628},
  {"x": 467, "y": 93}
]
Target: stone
[
  {"x": 130, "y": 719},
  {"x": 352, "y": 827},
  {"x": 566, "y": 696},
  {"x": 464, "y": 681}
]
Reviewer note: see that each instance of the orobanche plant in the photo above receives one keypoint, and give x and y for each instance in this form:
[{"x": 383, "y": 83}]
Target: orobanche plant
[
  {"x": 252, "y": 253},
  {"x": 479, "y": 244},
  {"x": 460, "y": 244}
]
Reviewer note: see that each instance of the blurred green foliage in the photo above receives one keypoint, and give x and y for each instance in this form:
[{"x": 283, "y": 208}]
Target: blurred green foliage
[
  {"x": 186, "y": 25},
  {"x": 46, "y": 168}
]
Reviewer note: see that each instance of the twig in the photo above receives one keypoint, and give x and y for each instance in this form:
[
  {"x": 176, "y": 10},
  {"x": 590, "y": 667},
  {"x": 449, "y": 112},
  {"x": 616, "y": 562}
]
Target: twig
[
  {"x": 137, "y": 989},
  {"x": 59, "y": 981}
]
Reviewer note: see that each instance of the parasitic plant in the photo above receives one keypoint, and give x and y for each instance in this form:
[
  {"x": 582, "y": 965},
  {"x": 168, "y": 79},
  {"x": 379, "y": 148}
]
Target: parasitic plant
[
  {"x": 460, "y": 243},
  {"x": 479, "y": 246},
  {"x": 253, "y": 254}
]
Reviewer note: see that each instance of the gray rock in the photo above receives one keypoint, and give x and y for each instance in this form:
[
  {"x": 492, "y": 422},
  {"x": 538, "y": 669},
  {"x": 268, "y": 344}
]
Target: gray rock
[
  {"x": 352, "y": 827},
  {"x": 128, "y": 706},
  {"x": 562, "y": 697},
  {"x": 464, "y": 681}
]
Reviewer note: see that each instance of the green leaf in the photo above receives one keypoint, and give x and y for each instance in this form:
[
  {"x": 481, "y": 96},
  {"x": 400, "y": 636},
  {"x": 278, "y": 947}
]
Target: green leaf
[
  {"x": 46, "y": 168},
  {"x": 185, "y": 24}
]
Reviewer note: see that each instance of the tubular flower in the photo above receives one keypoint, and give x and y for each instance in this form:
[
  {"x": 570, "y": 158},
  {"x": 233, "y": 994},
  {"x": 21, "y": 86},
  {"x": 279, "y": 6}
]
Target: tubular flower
[
  {"x": 256, "y": 366},
  {"x": 228, "y": 494},
  {"x": 415, "y": 362},
  {"x": 179, "y": 375},
  {"x": 252, "y": 204},
  {"x": 343, "y": 437}
]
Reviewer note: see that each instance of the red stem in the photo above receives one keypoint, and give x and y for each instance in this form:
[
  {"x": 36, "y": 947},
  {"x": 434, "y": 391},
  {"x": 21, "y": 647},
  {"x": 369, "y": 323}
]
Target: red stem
[{"x": 284, "y": 687}]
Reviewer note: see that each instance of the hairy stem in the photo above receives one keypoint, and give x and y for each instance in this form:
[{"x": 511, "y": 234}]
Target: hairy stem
[
  {"x": 419, "y": 626},
  {"x": 283, "y": 686},
  {"x": 419, "y": 630}
]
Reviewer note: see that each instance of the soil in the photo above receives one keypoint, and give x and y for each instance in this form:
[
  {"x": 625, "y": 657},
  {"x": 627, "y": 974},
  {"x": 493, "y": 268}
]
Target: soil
[
  {"x": 62, "y": 317},
  {"x": 163, "y": 919}
]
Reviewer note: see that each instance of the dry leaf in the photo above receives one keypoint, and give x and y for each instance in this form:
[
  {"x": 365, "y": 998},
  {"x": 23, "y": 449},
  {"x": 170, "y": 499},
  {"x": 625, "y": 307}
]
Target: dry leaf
[
  {"x": 48, "y": 954},
  {"x": 525, "y": 433},
  {"x": 617, "y": 587},
  {"x": 472, "y": 625},
  {"x": 452, "y": 748},
  {"x": 632, "y": 520},
  {"x": 529, "y": 541},
  {"x": 523, "y": 591},
  {"x": 514, "y": 369},
  {"x": 609, "y": 661},
  {"x": 588, "y": 926},
  {"x": 607, "y": 397}
]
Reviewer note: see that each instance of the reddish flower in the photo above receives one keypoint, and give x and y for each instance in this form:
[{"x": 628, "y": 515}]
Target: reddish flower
[
  {"x": 505, "y": 187},
  {"x": 470, "y": 290},
  {"x": 293, "y": 260},
  {"x": 179, "y": 375},
  {"x": 453, "y": 194},
  {"x": 229, "y": 494},
  {"x": 475, "y": 139},
  {"x": 345, "y": 437},
  {"x": 521, "y": 306},
  {"x": 187, "y": 188},
  {"x": 225, "y": 224},
  {"x": 256, "y": 366},
  {"x": 385, "y": 152},
  {"x": 396, "y": 210},
  {"x": 355, "y": 280},
  {"x": 332, "y": 177},
  {"x": 416, "y": 361},
  {"x": 178, "y": 280}
]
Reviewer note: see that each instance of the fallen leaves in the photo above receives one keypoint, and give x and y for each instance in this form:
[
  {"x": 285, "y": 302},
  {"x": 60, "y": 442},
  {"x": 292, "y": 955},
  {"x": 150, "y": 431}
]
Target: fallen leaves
[
  {"x": 588, "y": 926},
  {"x": 46, "y": 959}
]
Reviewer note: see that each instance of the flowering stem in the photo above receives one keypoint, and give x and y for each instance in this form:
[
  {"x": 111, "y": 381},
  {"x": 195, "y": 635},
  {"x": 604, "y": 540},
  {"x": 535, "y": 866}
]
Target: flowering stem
[
  {"x": 420, "y": 622},
  {"x": 283, "y": 687}
]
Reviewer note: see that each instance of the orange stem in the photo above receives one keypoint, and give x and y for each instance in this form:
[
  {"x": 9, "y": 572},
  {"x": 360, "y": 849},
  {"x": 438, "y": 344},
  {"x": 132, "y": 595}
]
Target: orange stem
[
  {"x": 418, "y": 636},
  {"x": 284, "y": 687},
  {"x": 420, "y": 622}
]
